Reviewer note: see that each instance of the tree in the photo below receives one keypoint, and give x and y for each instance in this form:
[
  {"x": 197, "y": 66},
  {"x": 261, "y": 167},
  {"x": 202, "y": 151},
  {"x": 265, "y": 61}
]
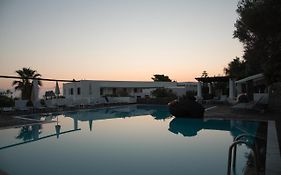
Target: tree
[
  {"x": 25, "y": 85},
  {"x": 204, "y": 74},
  {"x": 7, "y": 93},
  {"x": 236, "y": 68},
  {"x": 6, "y": 100},
  {"x": 158, "y": 77},
  {"x": 259, "y": 29}
]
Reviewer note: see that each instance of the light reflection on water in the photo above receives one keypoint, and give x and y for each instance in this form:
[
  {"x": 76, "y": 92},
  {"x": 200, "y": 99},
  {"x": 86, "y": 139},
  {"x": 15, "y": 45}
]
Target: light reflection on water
[{"x": 134, "y": 139}]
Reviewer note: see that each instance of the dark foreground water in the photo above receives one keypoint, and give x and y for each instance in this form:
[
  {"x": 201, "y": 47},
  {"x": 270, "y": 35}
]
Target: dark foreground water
[{"x": 132, "y": 140}]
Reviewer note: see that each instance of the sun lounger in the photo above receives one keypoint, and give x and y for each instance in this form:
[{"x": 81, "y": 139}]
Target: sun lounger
[
  {"x": 21, "y": 105},
  {"x": 7, "y": 110},
  {"x": 247, "y": 106}
]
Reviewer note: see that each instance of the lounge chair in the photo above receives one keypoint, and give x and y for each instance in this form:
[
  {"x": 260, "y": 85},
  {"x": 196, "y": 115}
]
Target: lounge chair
[
  {"x": 252, "y": 105},
  {"x": 21, "y": 105},
  {"x": 7, "y": 110}
]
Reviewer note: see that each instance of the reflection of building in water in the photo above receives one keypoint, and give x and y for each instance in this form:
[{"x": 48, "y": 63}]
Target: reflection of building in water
[
  {"x": 160, "y": 112},
  {"x": 91, "y": 124},
  {"x": 190, "y": 127}
]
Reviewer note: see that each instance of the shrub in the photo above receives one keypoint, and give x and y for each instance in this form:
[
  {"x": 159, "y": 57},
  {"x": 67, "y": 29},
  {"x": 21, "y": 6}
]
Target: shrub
[
  {"x": 163, "y": 92},
  {"x": 42, "y": 102},
  {"x": 6, "y": 101},
  {"x": 189, "y": 95},
  {"x": 29, "y": 104}
]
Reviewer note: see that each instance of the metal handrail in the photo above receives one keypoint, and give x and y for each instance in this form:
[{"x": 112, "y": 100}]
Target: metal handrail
[
  {"x": 246, "y": 135},
  {"x": 235, "y": 147},
  {"x": 230, "y": 152}
]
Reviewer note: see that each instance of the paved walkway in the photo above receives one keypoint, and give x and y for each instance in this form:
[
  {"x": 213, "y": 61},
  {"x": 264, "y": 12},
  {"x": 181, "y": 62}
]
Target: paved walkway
[{"x": 273, "y": 160}]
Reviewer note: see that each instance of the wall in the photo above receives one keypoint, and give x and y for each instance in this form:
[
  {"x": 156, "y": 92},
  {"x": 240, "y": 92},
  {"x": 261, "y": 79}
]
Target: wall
[
  {"x": 274, "y": 100},
  {"x": 90, "y": 89},
  {"x": 122, "y": 100}
]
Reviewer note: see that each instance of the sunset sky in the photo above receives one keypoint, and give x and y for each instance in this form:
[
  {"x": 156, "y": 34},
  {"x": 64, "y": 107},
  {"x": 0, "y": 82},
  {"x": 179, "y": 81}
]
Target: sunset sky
[{"x": 117, "y": 39}]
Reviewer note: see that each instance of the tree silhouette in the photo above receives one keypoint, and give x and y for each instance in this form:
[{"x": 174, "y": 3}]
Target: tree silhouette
[
  {"x": 236, "y": 68},
  {"x": 158, "y": 77},
  {"x": 204, "y": 74},
  {"x": 258, "y": 27}
]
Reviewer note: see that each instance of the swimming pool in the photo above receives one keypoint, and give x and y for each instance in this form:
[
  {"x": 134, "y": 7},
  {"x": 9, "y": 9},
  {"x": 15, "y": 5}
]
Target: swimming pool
[{"x": 136, "y": 139}]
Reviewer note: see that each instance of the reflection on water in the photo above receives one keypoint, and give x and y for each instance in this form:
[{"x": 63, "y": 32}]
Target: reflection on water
[
  {"x": 185, "y": 126},
  {"x": 58, "y": 127},
  {"x": 159, "y": 113},
  {"x": 29, "y": 132},
  {"x": 190, "y": 127},
  {"x": 32, "y": 132},
  {"x": 136, "y": 139}
]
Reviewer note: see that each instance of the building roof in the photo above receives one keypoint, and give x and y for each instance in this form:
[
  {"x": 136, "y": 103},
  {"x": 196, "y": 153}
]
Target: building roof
[{"x": 253, "y": 77}]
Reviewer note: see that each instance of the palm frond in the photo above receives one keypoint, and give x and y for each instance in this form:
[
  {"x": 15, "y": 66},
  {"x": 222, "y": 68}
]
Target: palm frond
[
  {"x": 36, "y": 75},
  {"x": 16, "y": 82}
]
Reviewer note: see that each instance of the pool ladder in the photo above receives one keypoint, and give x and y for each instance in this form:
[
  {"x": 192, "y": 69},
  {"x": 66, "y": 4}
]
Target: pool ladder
[{"x": 241, "y": 139}]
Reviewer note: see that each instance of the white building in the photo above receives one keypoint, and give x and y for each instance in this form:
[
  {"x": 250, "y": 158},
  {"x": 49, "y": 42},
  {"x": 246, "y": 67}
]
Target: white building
[
  {"x": 254, "y": 85},
  {"x": 94, "y": 91}
]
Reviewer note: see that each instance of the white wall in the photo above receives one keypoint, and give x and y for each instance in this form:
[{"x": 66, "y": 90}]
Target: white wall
[
  {"x": 122, "y": 99},
  {"x": 90, "y": 89}
]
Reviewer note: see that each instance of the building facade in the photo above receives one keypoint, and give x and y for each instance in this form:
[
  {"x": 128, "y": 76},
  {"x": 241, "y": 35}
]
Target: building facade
[{"x": 97, "y": 91}]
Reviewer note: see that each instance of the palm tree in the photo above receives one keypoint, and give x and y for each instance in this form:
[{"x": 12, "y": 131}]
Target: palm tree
[{"x": 25, "y": 85}]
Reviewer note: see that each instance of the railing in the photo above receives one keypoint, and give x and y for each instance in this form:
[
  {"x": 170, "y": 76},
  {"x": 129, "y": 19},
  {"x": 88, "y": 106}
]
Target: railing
[
  {"x": 31, "y": 78},
  {"x": 233, "y": 149},
  {"x": 44, "y": 137}
]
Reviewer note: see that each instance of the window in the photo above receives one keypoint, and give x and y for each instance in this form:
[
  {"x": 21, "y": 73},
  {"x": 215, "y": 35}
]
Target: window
[
  {"x": 71, "y": 91},
  {"x": 135, "y": 90},
  {"x": 114, "y": 91},
  {"x": 78, "y": 91},
  {"x": 101, "y": 91}
]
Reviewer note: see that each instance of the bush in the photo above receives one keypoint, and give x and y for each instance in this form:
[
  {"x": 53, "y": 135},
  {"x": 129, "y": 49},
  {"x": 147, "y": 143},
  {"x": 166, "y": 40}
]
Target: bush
[
  {"x": 42, "y": 102},
  {"x": 189, "y": 95},
  {"x": 163, "y": 92},
  {"x": 29, "y": 104},
  {"x": 6, "y": 101}
]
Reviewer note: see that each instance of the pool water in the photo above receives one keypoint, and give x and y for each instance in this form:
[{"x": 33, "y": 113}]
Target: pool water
[{"x": 135, "y": 140}]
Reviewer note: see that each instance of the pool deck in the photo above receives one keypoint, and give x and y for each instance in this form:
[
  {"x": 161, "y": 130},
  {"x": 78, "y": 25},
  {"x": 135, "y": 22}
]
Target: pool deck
[
  {"x": 273, "y": 160},
  {"x": 226, "y": 112}
]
